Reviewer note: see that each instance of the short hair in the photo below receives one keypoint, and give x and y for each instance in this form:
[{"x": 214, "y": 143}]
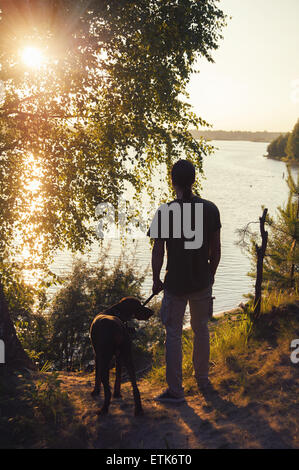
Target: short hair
[{"x": 183, "y": 175}]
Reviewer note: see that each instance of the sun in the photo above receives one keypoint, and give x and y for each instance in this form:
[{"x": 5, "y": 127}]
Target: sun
[{"x": 32, "y": 57}]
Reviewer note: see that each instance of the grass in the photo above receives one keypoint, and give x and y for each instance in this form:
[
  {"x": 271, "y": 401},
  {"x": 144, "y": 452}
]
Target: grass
[
  {"x": 275, "y": 298},
  {"x": 237, "y": 342},
  {"x": 250, "y": 366},
  {"x": 228, "y": 338},
  {"x": 35, "y": 412}
]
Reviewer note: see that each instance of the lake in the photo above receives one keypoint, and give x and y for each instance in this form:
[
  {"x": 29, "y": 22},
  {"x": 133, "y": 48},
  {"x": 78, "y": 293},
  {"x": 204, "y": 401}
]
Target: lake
[{"x": 239, "y": 180}]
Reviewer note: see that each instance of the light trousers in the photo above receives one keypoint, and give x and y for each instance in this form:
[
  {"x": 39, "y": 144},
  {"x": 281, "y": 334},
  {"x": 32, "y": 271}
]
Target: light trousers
[{"x": 172, "y": 315}]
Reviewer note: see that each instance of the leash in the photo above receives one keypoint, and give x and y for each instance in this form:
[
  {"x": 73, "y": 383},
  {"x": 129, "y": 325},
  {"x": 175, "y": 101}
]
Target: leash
[{"x": 149, "y": 299}]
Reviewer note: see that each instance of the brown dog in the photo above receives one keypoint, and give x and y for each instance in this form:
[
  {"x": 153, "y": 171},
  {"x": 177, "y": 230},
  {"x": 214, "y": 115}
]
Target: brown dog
[{"x": 110, "y": 337}]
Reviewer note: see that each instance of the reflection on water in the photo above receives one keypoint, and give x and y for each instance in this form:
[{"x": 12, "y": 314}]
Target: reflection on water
[{"x": 239, "y": 180}]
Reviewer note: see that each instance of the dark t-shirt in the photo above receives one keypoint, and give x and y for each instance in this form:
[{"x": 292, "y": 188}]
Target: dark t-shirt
[{"x": 188, "y": 268}]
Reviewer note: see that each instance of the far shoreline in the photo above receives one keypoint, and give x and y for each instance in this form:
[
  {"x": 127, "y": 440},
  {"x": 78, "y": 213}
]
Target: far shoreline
[
  {"x": 236, "y": 136},
  {"x": 283, "y": 160}
]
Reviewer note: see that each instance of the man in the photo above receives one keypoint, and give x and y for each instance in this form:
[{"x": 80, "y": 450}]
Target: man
[{"x": 192, "y": 262}]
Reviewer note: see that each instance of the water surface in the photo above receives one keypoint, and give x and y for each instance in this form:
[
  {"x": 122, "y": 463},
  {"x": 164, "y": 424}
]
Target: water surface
[{"x": 239, "y": 180}]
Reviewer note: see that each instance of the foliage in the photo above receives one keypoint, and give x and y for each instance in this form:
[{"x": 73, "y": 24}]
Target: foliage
[
  {"x": 281, "y": 268},
  {"x": 48, "y": 398},
  {"x": 103, "y": 109},
  {"x": 104, "y": 106},
  {"x": 36, "y": 413},
  {"x": 56, "y": 334},
  {"x": 26, "y": 306},
  {"x": 286, "y": 146},
  {"x": 281, "y": 263},
  {"x": 87, "y": 290},
  {"x": 249, "y": 136},
  {"x": 20, "y": 295},
  {"x": 293, "y": 144},
  {"x": 277, "y": 148},
  {"x": 148, "y": 340},
  {"x": 230, "y": 337},
  {"x": 235, "y": 338},
  {"x": 34, "y": 335}
]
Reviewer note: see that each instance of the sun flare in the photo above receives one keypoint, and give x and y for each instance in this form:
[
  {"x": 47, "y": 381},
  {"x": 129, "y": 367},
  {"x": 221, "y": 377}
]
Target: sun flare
[{"x": 32, "y": 57}]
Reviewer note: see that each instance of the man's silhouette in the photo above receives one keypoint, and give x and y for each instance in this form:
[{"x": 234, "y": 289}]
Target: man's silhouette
[{"x": 190, "y": 273}]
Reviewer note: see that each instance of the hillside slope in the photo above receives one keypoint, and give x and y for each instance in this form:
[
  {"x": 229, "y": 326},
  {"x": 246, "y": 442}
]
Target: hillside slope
[
  {"x": 254, "y": 403},
  {"x": 257, "y": 411}
]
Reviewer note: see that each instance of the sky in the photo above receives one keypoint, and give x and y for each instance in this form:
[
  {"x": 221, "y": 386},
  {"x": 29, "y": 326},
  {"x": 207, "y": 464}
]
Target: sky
[{"x": 254, "y": 83}]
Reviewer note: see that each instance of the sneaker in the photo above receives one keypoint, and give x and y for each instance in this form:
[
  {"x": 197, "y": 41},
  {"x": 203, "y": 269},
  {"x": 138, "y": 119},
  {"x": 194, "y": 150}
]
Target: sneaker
[{"x": 167, "y": 397}]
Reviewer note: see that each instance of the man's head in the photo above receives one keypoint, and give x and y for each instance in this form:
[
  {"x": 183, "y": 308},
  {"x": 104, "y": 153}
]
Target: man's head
[{"x": 183, "y": 177}]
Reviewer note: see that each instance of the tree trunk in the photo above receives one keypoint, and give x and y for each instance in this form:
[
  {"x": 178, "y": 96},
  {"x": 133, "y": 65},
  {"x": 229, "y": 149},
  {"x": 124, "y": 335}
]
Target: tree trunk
[
  {"x": 260, "y": 251},
  {"x": 15, "y": 356}
]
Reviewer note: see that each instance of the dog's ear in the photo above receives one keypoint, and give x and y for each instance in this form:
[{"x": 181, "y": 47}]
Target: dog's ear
[{"x": 126, "y": 308}]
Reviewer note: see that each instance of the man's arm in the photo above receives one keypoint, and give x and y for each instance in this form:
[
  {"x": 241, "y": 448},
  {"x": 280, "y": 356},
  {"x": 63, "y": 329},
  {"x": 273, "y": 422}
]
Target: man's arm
[
  {"x": 157, "y": 263},
  {"x": 214, "y": 251}
]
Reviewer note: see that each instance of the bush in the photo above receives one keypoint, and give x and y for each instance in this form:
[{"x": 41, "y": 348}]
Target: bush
[
  {"x": 292, "y": 149},
  {"x": 148, "y": 340},
  {"x": 87, "y": 290},
  {"x": 36, "y": 413},
  {"x": 277, "y": 148}
]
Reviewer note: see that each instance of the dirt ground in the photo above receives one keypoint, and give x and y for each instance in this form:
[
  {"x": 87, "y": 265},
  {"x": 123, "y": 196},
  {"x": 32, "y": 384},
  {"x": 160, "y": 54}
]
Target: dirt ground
[{"x": 264, "y": 416}]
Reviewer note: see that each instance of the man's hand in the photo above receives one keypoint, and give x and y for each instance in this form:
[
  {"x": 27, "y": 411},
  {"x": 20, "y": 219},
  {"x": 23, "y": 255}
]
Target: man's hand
[
  {"x": 157, "y": 262},
  {"x": 157, "y": 286},
  {"x": 214, "y": 252}
]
